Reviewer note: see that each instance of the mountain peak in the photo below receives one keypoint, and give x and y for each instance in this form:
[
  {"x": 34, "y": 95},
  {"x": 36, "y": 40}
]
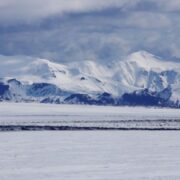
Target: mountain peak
[
  {"x": 149, "y": 61},
  {"x": 138, "y": 71},
  {"x": 142, "y": 53}
]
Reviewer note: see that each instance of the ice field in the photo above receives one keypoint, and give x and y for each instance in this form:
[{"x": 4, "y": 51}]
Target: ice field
[
  {"x": 64, "y": 117},
  {"x": 90, "y": 155}
]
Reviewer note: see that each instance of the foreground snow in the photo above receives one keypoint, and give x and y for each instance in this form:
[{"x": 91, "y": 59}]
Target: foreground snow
[
  {"x": 33, "y": 114},
  {"x": 86, "y": 155}
]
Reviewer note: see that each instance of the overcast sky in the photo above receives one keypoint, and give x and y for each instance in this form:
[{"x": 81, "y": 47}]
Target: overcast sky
[{"x": 68, "y": 30}]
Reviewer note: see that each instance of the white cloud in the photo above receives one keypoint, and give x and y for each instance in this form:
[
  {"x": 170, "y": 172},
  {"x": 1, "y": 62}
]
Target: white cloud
[{"x": 30, "y": 10}]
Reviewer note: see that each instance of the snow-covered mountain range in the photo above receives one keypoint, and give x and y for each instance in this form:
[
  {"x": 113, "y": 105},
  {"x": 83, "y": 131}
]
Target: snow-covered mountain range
[{"x": 138, "y": 79}]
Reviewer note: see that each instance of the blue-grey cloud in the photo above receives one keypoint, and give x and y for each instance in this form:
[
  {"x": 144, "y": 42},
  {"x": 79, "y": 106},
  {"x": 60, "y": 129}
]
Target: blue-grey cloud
[
  {"x": 34, "y": 10},
  {"x": 13, "y": 11},
  {"x": 82, "y": 29}
]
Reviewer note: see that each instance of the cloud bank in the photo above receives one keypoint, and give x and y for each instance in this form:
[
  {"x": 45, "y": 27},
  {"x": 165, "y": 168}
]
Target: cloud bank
[
  {"x": 82, "y": 29},
  {"x": 33, "y": 10}
]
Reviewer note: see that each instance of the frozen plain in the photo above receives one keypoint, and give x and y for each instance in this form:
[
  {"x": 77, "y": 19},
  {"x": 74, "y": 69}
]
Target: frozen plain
[
  {"x": 90, "y": 155},
  {"x": 84, "y": 116}
]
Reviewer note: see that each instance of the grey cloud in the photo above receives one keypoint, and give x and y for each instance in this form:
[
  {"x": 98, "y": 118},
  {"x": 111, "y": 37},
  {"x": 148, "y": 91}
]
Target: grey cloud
[
  {"x": 33, "y": 10},
  {"x": 148, "y": 20},
  {"x": 84, "y": 29},
  {"x": 21, "y": 11}
]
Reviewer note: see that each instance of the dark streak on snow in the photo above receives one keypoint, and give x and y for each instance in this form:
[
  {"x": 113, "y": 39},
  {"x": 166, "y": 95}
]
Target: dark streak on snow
[{"x": 73, "y": 128}]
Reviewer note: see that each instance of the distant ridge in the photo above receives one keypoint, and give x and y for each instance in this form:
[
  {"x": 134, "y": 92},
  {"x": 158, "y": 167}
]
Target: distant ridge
[{"x": 138, "y": 79}]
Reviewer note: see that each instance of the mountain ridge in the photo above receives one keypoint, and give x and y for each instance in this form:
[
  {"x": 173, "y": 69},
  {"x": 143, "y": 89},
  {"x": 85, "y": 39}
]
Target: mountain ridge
[{"x": 124, "y": 82}]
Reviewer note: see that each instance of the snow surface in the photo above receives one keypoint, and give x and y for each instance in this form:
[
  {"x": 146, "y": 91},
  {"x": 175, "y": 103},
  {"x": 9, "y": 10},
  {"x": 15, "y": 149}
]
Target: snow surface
[
  {"x": 87, "y": 155},
  {"x": 88, "y": 116}
]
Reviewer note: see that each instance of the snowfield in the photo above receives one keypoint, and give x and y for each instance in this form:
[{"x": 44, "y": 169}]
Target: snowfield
[
  {"x": 61, "y": 117},
  {"x": 90, "y": 155}
]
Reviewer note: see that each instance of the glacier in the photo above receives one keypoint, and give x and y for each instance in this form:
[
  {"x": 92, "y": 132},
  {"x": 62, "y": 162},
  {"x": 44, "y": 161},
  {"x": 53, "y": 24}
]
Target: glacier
[{"x": 140, "y": 79}]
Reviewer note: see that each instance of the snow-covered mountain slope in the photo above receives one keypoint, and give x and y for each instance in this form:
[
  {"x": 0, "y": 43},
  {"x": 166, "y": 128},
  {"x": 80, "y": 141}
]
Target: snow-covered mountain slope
[{"x": 140, "y": 78}]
